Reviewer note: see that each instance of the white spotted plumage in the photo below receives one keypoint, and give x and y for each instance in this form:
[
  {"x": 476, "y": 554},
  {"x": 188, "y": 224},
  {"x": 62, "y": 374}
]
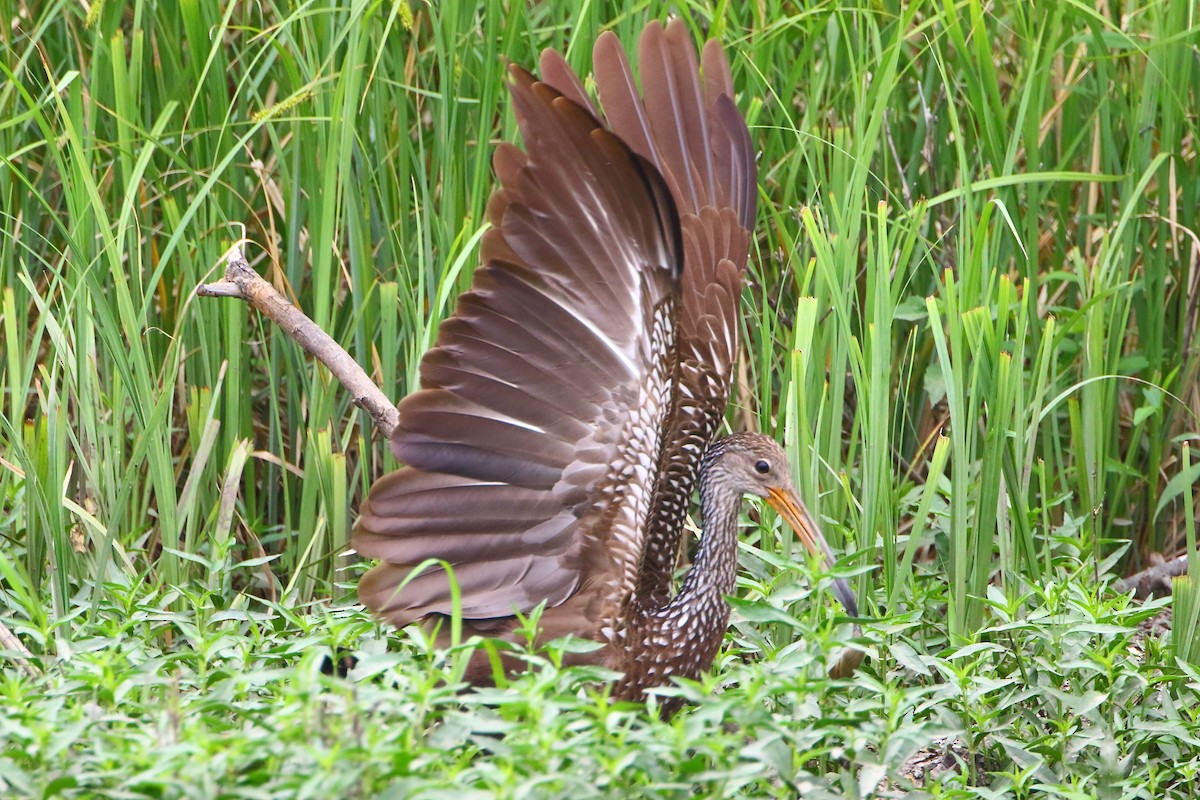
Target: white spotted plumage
[{"x": 580, "y": 381}]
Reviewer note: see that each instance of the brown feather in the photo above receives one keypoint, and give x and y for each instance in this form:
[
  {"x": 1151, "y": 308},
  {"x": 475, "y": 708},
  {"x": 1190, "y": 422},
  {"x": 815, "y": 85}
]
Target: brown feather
[
  {"x": 546, "y": 375},
  {"x": 557, "y": 72},
  {"x": 555, "y": 443},
  {"x": 687, "y": 125}
]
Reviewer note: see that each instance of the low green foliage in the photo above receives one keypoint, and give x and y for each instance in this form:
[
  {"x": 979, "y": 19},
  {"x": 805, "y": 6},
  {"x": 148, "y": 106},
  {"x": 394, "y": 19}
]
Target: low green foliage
[
  {"x": 209, "y": 701},
  {"x": 971, "y": 317}
]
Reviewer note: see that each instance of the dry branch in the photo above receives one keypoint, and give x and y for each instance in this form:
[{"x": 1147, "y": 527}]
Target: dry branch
[
  {"x": 1155, "y": 580},
  {"x": 242, "y": 282}
]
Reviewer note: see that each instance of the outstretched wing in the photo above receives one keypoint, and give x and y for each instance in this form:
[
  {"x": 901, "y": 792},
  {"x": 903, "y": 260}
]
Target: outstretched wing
[
  {"x": 683, "y": 120},
  {"x": 533, "y": 441}
]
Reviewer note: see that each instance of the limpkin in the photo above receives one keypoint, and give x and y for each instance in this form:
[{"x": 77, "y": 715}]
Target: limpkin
[{"x": 571, "y": 401}]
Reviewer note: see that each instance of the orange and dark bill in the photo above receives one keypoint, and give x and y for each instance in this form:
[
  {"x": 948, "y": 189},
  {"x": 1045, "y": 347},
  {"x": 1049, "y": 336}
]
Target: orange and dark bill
[{"x": 793, "y": 511}]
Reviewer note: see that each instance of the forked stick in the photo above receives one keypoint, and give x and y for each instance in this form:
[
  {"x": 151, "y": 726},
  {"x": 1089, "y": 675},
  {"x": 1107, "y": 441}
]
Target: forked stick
[{"x": 242, "y": 282}]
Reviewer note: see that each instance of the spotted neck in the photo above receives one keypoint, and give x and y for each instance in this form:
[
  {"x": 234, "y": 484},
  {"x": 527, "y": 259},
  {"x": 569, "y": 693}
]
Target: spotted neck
[{"x": 714, "y": 572}]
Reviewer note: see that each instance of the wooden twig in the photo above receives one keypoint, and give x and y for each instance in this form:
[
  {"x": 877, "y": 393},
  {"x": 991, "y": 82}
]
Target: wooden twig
[
  {"x": 1155, "y": 580},
  {"x": 9, "y": 641},
  {"x": 243, "y": 283}
]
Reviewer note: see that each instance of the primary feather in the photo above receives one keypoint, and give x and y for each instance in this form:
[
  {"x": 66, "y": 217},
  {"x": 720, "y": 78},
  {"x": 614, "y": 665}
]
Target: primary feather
[{"x": 554, "y": 444}]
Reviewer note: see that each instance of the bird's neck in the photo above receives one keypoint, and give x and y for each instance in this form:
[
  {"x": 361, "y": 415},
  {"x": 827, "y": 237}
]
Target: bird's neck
[{"x": 714, "y": 571}]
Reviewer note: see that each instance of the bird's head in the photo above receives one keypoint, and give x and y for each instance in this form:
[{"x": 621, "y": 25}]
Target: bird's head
[{"x": 751, "y": 463}]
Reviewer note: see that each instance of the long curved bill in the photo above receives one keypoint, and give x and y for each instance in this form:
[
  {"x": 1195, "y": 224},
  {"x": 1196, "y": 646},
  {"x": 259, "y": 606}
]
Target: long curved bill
[{"x": 791, "y": 509}]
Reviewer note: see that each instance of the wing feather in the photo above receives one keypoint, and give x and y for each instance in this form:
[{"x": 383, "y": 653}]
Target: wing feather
[
  {"x": 546, "y": 379},
  {"x": 556, "y": 439},
  {"x": 685, "y": 122}
]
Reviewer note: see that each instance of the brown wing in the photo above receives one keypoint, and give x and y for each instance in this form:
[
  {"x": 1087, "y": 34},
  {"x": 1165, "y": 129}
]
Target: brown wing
[
  {"x": 684, "y": 121},
  {"x": 531, "y": 444}
]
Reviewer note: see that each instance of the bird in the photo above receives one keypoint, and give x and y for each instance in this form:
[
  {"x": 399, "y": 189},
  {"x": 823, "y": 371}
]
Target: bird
[{"x": 570, "y": 405}]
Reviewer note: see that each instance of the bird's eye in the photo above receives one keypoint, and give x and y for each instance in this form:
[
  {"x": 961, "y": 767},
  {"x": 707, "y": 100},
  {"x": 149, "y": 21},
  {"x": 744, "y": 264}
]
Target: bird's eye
[{"x": 762, "y": 467}]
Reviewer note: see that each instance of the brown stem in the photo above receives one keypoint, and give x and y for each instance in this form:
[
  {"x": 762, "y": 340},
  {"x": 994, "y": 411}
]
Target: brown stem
[
  {"x": 1155, "y": 580},
  {"x": 242, "y": 282}
]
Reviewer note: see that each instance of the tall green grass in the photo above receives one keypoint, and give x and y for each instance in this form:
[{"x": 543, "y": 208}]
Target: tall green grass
[{"x": 976, "y": 233}]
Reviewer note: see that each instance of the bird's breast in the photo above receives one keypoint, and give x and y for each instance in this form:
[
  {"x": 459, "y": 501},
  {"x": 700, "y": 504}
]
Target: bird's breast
[{"x": 680, "y": 639}]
